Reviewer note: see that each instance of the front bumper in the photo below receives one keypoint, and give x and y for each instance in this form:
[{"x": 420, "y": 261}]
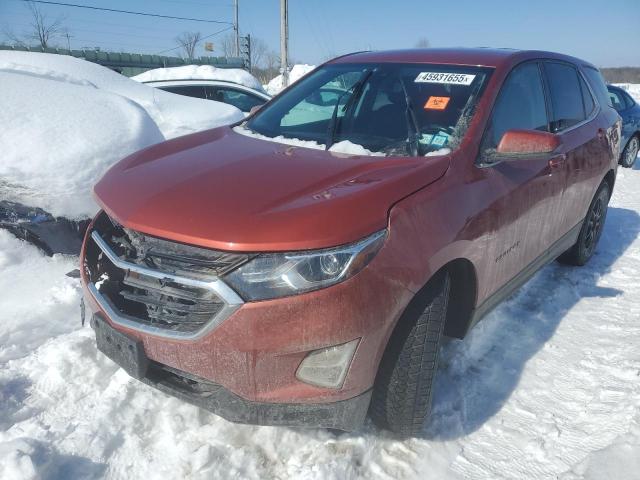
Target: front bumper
[{"x": 347, "y": 415}]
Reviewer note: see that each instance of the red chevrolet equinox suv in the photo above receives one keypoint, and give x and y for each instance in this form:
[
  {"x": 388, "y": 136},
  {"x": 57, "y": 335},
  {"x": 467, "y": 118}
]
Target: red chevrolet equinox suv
[{"x": 301, "y": 267}]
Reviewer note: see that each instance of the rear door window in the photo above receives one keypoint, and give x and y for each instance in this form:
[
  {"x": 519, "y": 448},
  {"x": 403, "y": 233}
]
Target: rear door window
[
  {"x": 196, "y": 91},
  {"x": 520, "y": 105},
  {"x": 628, "y": 100},
  {"x": 241, "y": 100},
  {"x": 617, "y": 100},
  {"x": 567, "y": 107}
]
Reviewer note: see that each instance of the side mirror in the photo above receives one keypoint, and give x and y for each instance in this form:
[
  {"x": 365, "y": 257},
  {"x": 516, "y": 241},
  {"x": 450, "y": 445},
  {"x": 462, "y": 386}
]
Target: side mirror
[
  {"x": 527, "y": 141},
  {"x": 254, "y": 109}
]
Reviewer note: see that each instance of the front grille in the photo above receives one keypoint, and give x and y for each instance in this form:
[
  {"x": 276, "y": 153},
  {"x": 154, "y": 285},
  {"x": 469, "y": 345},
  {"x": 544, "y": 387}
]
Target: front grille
[
  {"x": 154, "y": 301},
  {"x": 167, "y": 256}
]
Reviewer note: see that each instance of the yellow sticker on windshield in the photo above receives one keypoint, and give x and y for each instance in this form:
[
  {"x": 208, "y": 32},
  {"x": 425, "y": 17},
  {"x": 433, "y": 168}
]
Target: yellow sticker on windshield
[{"x": 437, "y": 103}]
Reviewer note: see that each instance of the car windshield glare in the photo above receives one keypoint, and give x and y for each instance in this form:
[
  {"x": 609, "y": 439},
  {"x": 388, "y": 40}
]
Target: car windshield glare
[{"x": 393, "y": 109}]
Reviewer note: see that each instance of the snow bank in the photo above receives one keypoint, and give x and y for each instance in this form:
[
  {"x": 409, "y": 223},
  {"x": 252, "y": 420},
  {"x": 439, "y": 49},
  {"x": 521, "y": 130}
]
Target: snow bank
[
  {"x": 174, "y": 114},
  {"x": 201, "y": 72},
  {"x": 54, "y": 148},
  {"x": 296, "y": 73},
  {"x": 65, "y": 121}
]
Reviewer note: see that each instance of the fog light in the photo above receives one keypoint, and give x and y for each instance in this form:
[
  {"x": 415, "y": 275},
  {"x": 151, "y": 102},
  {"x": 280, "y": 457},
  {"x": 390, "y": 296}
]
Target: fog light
[{"x": 327, "y": 367}]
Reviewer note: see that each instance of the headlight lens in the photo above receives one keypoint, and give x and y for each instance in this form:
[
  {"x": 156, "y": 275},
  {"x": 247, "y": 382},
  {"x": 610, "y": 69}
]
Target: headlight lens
[{"x": 273, "y": 275}]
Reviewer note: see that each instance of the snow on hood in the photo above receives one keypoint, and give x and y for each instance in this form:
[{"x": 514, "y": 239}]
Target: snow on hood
[
  {"x": 201, "y": 72},
  {"x": 296, "y": 73},
  {"x": 65, "y": 121}
]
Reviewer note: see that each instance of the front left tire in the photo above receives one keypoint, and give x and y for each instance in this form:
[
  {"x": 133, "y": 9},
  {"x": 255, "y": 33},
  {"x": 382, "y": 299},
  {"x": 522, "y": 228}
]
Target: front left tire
[{"x": 401, "y": 400}]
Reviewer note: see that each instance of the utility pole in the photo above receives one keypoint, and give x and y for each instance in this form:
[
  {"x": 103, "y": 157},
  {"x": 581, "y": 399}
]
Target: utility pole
[
  {"x": 236, "y": 27},
  {"x": 284, "y": 42},
  {"x": 66, "y": 34}
]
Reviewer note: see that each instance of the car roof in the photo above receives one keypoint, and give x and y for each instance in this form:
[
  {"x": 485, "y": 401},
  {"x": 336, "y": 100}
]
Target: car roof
[{"x": 487, "y": 57}]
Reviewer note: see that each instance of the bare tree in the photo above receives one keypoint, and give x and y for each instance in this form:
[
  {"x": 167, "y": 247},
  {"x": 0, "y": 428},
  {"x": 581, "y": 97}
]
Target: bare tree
[
  {"x": 43, "y": 29},
  {"x": 12, "y": 37},
  {"x": 269, "y": 68},
  {"x": 423, "y": 42},
  {"x": 272, "y": 60},
  {"x": 228, "y": 45},
  {"x": 188, "y": 41},
  {"x": 259, "y": 51}
]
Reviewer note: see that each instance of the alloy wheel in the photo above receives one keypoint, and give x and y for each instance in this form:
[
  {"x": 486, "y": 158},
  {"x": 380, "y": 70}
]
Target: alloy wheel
[
  {"x": 631, "y": 152},
  {"x": 594, "y": 226}
]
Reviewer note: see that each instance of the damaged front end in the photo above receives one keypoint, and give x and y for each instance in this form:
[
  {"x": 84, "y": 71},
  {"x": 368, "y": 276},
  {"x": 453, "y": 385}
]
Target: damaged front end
[{"x": 157, "y": 286}]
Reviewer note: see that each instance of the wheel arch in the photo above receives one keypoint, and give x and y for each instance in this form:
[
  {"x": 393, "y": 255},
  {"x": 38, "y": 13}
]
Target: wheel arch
[{"x": 463, "y": 292}]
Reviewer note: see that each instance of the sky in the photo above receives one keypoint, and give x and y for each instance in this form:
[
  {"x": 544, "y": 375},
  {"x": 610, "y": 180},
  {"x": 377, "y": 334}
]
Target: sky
[{"x": 604, "y": 33}]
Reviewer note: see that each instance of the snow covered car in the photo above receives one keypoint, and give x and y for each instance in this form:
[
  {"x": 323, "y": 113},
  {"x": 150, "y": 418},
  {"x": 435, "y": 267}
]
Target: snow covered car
[
  {"x": 232, "y": 86},
  {"x": 303, "y": 273},
  {"x": 629, "y": 110},
  {"x": 241, "y": 97}
]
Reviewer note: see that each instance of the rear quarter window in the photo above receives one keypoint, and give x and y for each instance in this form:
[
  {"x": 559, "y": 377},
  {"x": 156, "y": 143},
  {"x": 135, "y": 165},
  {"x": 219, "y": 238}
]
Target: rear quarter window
[{"x": 597, "y": 84}]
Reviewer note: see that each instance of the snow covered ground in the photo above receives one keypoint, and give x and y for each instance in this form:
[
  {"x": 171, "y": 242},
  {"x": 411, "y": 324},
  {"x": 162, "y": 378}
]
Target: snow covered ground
[
  {"x": 547, "y": 386},
  {"x": 88, "y": 117}
]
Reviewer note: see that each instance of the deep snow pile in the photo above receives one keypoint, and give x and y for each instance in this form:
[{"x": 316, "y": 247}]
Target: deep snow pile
[
  {"x": 545, "y": 387},
  {"x": 88, "y": 118},
  {"x": 201, "y": 72},
  {"x": 297, "y": 72}
]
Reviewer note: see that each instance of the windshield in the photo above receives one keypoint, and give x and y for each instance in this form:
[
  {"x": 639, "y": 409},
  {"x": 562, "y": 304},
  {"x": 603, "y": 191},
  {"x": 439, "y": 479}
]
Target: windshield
[{"x": 395, "y": 109}]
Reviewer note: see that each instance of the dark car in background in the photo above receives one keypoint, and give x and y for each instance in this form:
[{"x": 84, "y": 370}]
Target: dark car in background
[{"x": 629, "y": 110}]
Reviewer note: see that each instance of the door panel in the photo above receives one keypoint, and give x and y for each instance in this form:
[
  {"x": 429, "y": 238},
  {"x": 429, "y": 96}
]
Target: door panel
[{"x": 528, "y": 191}]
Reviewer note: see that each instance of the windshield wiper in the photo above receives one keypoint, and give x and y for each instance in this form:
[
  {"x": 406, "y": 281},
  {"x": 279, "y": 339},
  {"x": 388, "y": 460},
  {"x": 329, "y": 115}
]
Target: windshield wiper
[
  {"x": 356, "y": 90},
  {"x": 413, "y": 130}
]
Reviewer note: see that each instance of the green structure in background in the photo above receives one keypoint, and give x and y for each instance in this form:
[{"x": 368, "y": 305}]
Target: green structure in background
[{"x": 130, "y": 64}]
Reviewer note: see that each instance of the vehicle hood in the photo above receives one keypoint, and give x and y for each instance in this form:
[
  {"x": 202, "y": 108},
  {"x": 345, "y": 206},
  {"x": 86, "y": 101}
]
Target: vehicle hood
[{"x": 223, "y": 190}]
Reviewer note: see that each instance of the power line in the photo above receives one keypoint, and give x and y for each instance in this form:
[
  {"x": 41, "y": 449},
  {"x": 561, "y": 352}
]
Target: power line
[
  {"x": 128, "y": 12},
  {"x": 203, "y": 38}
]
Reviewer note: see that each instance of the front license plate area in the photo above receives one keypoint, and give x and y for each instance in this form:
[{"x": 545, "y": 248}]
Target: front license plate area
[{"x": 126, "y": 351}]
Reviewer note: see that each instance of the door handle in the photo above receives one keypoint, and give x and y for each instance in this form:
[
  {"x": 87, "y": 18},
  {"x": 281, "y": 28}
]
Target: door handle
[{"x": 557, "y": 161}]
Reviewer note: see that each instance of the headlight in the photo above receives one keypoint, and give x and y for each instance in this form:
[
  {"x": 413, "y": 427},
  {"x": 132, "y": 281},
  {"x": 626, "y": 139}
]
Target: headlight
[{"x": 273, "y": 275}]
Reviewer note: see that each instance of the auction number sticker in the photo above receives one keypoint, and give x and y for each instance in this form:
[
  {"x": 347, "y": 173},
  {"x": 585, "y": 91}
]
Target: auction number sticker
[{"x": 445, "y": 78}]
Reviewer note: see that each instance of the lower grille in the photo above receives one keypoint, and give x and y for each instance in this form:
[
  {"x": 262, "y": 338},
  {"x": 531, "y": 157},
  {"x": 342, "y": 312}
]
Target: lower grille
[{"x": 148, "y": 297}]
